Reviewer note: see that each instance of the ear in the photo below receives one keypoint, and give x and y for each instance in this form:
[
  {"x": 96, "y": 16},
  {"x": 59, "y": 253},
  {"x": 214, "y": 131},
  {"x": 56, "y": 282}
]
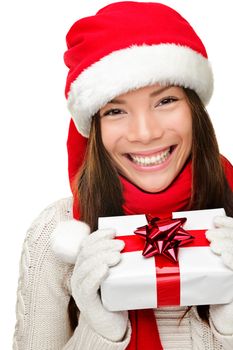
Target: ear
[{"x": 66, "y": 239}]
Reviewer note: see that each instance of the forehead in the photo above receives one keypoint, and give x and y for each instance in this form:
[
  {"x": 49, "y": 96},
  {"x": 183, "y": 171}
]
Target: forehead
[{"x": 147, "y": 91}]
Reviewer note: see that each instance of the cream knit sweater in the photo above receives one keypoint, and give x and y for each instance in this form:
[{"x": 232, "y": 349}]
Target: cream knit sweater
[{"x": 44, "y": 292}]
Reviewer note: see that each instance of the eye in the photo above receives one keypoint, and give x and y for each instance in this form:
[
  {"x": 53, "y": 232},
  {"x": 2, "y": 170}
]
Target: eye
[
  {"x": 167, "y": 100},
  {"x": 113, "y": 111}
]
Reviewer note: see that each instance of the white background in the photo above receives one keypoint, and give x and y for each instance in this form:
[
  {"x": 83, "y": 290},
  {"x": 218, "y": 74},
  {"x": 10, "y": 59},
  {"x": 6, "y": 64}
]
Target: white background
[{"x": 34, "y": 118}]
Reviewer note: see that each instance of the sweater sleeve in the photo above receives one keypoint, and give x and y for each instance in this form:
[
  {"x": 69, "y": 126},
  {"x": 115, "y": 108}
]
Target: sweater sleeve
[
  {"x": 43, "y": 294},
  {"x": 225, "y": 340},
  {"x": 85, "y": 338}
]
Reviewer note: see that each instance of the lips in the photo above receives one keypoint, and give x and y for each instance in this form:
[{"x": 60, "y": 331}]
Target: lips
[{"x": 151, "y": 159}]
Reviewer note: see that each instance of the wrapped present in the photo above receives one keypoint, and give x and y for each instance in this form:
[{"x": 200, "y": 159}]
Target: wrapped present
[{"x": 180, "y": 270}]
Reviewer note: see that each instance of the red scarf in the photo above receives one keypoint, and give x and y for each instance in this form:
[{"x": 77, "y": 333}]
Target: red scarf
[{"x": 176, "y": 197}]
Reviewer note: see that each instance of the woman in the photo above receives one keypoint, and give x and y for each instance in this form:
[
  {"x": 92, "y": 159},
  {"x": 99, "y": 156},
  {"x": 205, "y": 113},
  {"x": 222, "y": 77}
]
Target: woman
[{"x": 138, "y": 81}]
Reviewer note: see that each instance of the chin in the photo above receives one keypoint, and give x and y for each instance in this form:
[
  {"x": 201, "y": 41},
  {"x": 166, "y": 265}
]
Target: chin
[
  {"x": 152, "y": 188},
  {"x": 154, "y": 184}
]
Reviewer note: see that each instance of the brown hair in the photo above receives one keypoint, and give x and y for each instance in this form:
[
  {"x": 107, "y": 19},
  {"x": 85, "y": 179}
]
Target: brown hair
[{"x": 99, "y": 191}]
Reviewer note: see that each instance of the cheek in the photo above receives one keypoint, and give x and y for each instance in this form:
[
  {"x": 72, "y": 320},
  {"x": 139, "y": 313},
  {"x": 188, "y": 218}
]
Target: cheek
[
  {"x": 183, "y": 124},
  {"x": 109, "y": 134},
  {"x": 188, "y": 132},
  {"x": 106, "y": 139}
]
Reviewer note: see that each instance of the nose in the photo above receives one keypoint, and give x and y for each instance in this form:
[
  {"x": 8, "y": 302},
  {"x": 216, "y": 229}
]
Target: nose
[{"x": 144, "y": 128}]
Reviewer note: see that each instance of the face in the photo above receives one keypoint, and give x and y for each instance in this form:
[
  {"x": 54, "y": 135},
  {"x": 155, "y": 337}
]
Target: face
[{"x": 148, "y": 133}]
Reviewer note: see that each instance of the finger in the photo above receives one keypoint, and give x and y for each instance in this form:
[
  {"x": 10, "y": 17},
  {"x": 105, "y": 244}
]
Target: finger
[
  {"x": 218, "y": 246},
  {"x": 223, "y": 221},
  {"x": 99, "y": 235},
  {"x": 108, "y": 258},
  {"x": 100, "y": 246},
  {"x": 86, "y": 292},
  {"x": 219, "y": 233},
  {"x": 92, "y": 282},
  {"x": 227, "y": 257}
]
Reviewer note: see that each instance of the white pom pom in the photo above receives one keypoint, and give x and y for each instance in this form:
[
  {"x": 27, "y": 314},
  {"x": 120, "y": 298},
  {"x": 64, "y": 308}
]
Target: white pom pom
[{"x": 66, "y": 239}]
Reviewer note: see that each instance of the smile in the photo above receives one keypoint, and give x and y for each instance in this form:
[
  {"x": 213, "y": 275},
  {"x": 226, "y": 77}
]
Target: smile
[{"x": 152, "y": 160}]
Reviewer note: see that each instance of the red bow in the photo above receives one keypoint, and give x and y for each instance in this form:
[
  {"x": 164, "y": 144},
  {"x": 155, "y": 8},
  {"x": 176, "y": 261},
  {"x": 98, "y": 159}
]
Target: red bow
[{"x": 163, "y": 236}]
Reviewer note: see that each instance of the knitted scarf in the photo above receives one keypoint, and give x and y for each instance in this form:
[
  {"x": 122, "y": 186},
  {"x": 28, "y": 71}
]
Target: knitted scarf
[{"x": 176, "y": 197}]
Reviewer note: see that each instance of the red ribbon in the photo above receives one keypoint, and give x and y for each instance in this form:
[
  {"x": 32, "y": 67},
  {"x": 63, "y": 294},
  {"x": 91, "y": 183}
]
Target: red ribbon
[
  {"x": 163, "y": 236},
  {"x": 167, "y": 272}
]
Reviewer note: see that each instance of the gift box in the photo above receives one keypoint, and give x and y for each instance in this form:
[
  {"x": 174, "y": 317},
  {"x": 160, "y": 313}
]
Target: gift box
[{"x": 198, "y": 277}]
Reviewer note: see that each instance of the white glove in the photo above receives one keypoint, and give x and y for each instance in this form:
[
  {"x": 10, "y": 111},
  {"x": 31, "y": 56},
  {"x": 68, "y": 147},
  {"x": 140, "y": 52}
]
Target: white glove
[
  {"x": 97, "y": 253},
  {"x": 221, "y": 239}
]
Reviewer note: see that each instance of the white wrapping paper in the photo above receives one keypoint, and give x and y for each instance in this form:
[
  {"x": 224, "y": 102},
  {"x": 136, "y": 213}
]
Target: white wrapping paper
[{"x": 131, "y": 284}]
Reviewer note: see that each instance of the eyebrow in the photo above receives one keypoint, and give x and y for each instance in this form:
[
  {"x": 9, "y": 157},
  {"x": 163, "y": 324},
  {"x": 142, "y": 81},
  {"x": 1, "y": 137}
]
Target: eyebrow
[{"x": 153, "y": 94}]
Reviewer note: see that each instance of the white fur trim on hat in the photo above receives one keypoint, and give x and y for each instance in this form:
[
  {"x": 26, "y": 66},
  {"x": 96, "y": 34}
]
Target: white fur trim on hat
[
  {"x": 66, "y": 239},
  {"x": 134, "y": 67}
]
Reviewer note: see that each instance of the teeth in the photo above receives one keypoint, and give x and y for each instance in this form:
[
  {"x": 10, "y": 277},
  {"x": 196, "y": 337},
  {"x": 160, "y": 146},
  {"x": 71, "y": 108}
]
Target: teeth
[{"x": 150, "y": 161}]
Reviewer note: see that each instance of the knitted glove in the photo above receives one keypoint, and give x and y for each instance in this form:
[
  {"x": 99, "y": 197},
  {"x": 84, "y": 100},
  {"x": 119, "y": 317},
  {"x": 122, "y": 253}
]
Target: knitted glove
[
  {"x": 221, "y": 239},
  {"x": 97, "y": 253}
]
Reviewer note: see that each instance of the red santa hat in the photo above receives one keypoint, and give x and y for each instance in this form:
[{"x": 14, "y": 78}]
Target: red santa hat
[
  {"x": 128, "y": 45},
  {"x": 125, "y": 46}
]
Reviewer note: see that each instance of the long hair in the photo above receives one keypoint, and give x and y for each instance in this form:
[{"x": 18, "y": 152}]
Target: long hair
[
  {"x": 99, "y": 192},
  {"x": 97, "y": 185}
]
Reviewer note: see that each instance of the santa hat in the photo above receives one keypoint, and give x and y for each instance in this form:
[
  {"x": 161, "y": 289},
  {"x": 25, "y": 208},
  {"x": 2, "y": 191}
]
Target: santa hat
[{"x": 128, "y": 45}]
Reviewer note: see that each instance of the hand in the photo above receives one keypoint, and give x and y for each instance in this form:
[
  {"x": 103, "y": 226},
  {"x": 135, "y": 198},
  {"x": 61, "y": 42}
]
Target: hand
[
  {"x": 97, "y": 253},
  {"x": 221, "y": 239}
]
